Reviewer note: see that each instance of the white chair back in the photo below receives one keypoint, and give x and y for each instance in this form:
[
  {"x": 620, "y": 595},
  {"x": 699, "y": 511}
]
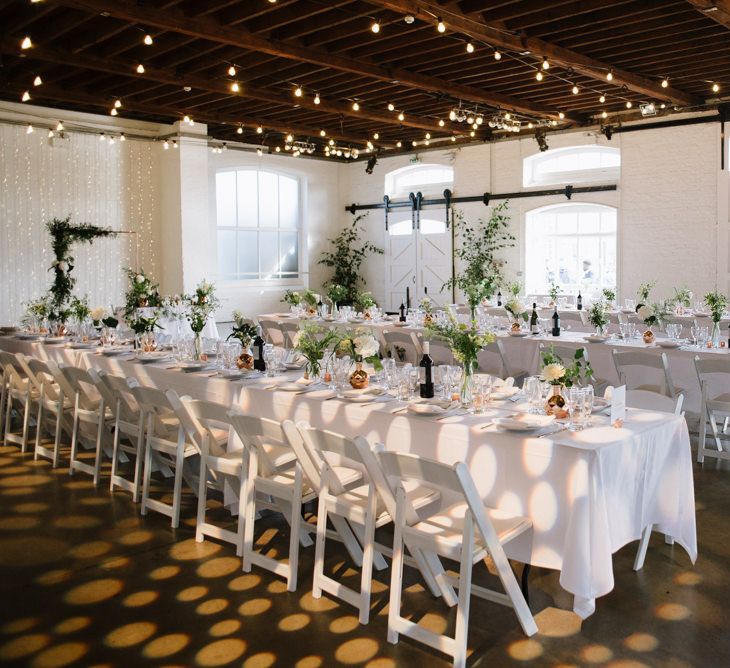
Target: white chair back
[
  {"x": 654, "y": 401},
  {"x": 632, "y": 368},
  {"x": 271, "y": 331},
  {"x": 403, "y": 346}
]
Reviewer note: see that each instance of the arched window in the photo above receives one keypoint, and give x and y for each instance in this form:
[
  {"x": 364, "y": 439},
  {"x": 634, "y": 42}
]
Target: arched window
[
  {"x": 258, "y": 217},
  {"x": 572, "y": 245},
  {"x": 574, "y": 164},
  {"x": 429, "y": 179}
]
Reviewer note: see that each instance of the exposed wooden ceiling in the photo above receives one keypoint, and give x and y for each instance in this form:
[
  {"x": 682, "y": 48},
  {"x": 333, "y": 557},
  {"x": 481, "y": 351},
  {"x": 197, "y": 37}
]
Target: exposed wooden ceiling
[{"x": 87, "y": 52}]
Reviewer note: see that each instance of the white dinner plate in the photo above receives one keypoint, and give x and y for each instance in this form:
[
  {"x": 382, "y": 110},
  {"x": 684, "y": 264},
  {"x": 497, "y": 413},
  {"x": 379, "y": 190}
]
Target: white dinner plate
[
  {"x": 600, "y": 404},
  {"x": 117, "y": 350},
  {"x": 52, "y": 340},
  {"x": 26, "y": 336},
  {"x": 518, "y": 334},
  {"x": 504, "y": 393},
  {"x": 668, "y": 343},
  {"x": 524, "y": 422},
  {"x": 82, "y": 345},
  {"x": 293, "y": 366},
  {"x": 627, "y": 310},
  {"x": 291, "y": 387},
  {"x": 283, "y": 315},
  {"x": 596, "y": 338},
  {"x": 155, "y": 356},
  {"x": 361, "y": 396},
  {"x": 192, "y": 365},
  {"x": 435, "y": 407},
  {"x": 357, "y": 320},
  {"x": 400, "y": 324}
]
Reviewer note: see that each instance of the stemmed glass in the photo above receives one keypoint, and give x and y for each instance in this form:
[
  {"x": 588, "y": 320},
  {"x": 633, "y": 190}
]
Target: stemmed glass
[
  {"x": 575, "y": 406},
  {"x": 270, "y": 359},
  {"x": 533, "y": 390}
]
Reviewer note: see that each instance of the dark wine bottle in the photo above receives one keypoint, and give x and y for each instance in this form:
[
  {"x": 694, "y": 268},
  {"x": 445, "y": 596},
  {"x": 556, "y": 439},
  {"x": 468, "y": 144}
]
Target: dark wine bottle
[
  {"x": 579, "y": 302},
  {"x": 499, "y": 298},
  {"x": 402, "y": 310},
  {"x": 425, "y": 373},
  {"x": 258, "y": 352},
  {"x": 425, "y": 290},
  {"x": 534, "y": 329},
  {"x": 319, "y": 308},
  {"x": 556, "y": 322}
]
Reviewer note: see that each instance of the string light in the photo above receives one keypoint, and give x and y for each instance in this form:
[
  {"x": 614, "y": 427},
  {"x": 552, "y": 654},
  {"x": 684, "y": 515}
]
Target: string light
[
  {"x": 37, "y": 81},
  {"x": 331, "y": 142},
  {"x": 604, "y": 114},
  {"x": 401, "y": 116},
  {"x": 29, "y": 129},
  {"x": 102, "y": 136},
  {"x": 545, "y": 63},
  {"x": 26, "y": 43},
  {"x": 231, "y": 71},
  {"x": 59, "y": 127},
  {"x": 148, "y": 40},
  {"x": 290, "y": 138},
  {"x": 316, "y": 99},
  {"x": 414, "y": 143},
  {"x": 298, "y": 92},
  {"x": 472, "y": 134},
  {"x": 399, "y": 144},
  {"x": 140, "y": 69},
  {"x": 453, "y": 138},
  {"x": 239, "y": 129},
  {"x": 441, "y": 26},
  {"x": 575, "y": 90},
  {"x": 609, "y": 75},
  {"x": 497, "y": 55},
  {"x": 117, "y": 104},
  {"x": 538, "y": 75},
  {"x": 51, "y": 134},
  {"x": 428, "y": 135},
  {"x": 259, "y": 130},
  {"x": 602, "y": 99},
  {"x": 278, "y": 149},
  {"x": 391, "y": 106},
  {"x": 376, "y": 136},
  {"x": 113, "y": 112},
  {"x": 469, "y": 47},
  {"x": 561, "y": 115},
  {"x": 441, "y": 122},
  {"x": 715, "y": 88},
  {"x": 235, "y": 87},
  {"x": 375, "y": 27},
  {"x": 26, "y": 96},
  {"x": 665, "y": 82},
  {"x": 322, "y": 133},
  {"x": 122, "y": 137},
  {"x": 259, "y": 152},
  {"x": 629, "y": 104},
  {"x": 355, "y": 106}
]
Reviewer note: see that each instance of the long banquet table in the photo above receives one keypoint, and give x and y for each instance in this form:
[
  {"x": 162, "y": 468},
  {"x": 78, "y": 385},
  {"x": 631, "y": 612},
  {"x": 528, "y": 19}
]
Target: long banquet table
[{"x": 587, "y": 493}]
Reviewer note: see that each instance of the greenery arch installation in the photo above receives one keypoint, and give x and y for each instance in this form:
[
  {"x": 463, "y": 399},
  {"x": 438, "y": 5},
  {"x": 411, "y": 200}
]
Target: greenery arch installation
[{"x": 64, "y": 234}]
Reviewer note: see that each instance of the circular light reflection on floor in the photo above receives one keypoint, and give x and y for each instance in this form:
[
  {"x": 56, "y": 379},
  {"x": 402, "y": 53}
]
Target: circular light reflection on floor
[
  {"x": 93, "y": 592},
  {"x": 140, "y": 598},
  {"x": 130, "y": 634},
  {"x": 261, "y": 660},
  {"x": 525, "y": 650},
  {"x": 294, "y": 622},
  {"x": 244, "y": 582},
  {"x": 23, "y": 646},
  {"x": 212, "y": 607},
  {"x": 220, "y": 652},
  {"x": 164, "y": 572},
  {"x": 596, "y": 654},
  {"x": 71, "y": 625},
  {"x": 59, "y": 655},
  {"x": 358, "y": 650},
  {"x": 165, "y": 645},
  {"x": 672, "y": 612},
  {"x": 256, "y": 606},
  {"x": 218, "y": 567},
  {"x": 53, "y": 577},
  {"x": 77, "y": 522},
  {"x": 18, "y": 625},
  {"x": 225, "y": 628},
  {"x": 192, "y": 593},
  {"x": 641, "y": 642},
  {"x": 18, "y": 523},
  {"x": 90, "y": 550},
  {"x": 189, "y": 550},
  {"x": 344, "y": 624}
]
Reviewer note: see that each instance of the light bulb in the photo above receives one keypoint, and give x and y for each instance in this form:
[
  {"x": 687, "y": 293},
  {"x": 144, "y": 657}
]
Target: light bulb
[
  {"x": 453, "y": 138},
  {"x": 604, "y": 114},
  {"x": 298, "y": 92},
  {"x": 441, "y": 122},
  {"x": 51, "y": 134},
  {"x": 391, "y": 106},
  {"x": 469, "y": 47},
  {"x": 414, "y": 142},
  {"x": 470, "y": 119},
  {"x": 25, "y": 97},
  {"x": 278, "y": 149},
  {"x": 539, "y": 76},
  {"x": 259, "y": 152},
  {"x": 235, "y": 87},
  {"x": 186, "y": 119},
  {"x": 401, "y": 116},
  {"x": 497, "y": 55},
  {"x": 609, "y": 76},
  {"x": 331, "y": 142},
  {"x": 113, "y": 112},
  {"x": 111, "y": 142},
  {"x": 239, "y": 130},
  {"x": 561, "y": 115},
  {"x": 259, "y": 130},
  {"x": 355, "y": 106},
  {"x": 545, "y": 63},
  {"x": 472, "y": 133},
  {"x": 553, "y": 122},
  {"x": 475, "y": 126},
  {"x": 37, "y": 81},
  {"x": 441, "y": 26},
  {"x": 370, "y": 145},
  {"x": 602, "y": 99},
  {"x": 148, "y": 40},
  {"x": 629, "y": 104},
  {"x": 507, "y": 116},
  {"x": 715, "y": 88},
  {"x": 26, "y": 43},
  {"x": 29, "y": 129},
  {"x": 191, "y": 122},
  {"x": 102, "y": 136},
  {"x": 316, "y": 99},
  {"x": 427, "y": 142},
  {"x": 59, "y": 127},
  {"x": 117, "y": 104},
  {"x": 452, "y": 115},
  {"x": 399, "y": 144},
  {"x": 575, "y": 90},
  {"x": 322, "y": 133},
  {"x": 529, "y": 125},
  {"x": 375, "y": 27},
  {"x": 289, "y": 138},
  {"x": 122, "y": 137},
  {"x": 140, "y": 69},
  {"x": 231, "y": 71},
  {"x": 665, "y": 82},
  {"x": 428, "y": 135},
  {"x": 376, "y": 135},
  {"x": 174, "y": 142}
]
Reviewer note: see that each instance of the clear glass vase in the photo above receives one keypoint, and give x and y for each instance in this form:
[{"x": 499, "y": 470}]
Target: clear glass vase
[
  {"x": 716, "y": 335},
  {"x": 465, "y": 393},
  {"x": 197, "y": 347}
]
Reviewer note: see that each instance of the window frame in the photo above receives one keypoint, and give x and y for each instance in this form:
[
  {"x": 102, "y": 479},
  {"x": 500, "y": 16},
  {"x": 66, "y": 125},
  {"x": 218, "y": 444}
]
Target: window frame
[
  {"x": 260, "y": 281},
  {"x": 572, "y": 176},
  {"x": 434, "y": 188}
]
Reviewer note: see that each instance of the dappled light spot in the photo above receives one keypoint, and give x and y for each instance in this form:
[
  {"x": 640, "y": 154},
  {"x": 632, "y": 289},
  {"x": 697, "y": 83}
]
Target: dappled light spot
[
  {"x": 129, "y": 523},
  {"x": 18, "y": 625},
  {"x": 140, "y": 598},
  {"x": 165, "y": 645},
  {"x": 381, "y": 662},
  {"x": 344, "y": 624},
  {"x": 433, "y": 622},
  {"x": 93, "y": 592},
  {"x": 256, "y": 606},
  {"x": 309, "y": 662},
  {"x": 90, "y": 550},
  {"x": 19, "y": 491},
  {"x": 31, "y": 551},
  {"x": 15, "y": 470},
  {"x": 225, "y": 628},
  {"x": 164, "y": 572},
  {"x": 93, "y": 501},
  {"x": 672, "y": 612},
  {"x": 78, "y": 484},
  {"x": 71, "y": 625},
  {"x": 31, "y": 507},
  {"x": 28, "y": 480},
  {"x": 59, "y": 655},
  {"x": 5, "y": 461},
  {"x": 212, "y": 607},
  {"x": 23, "y": 646},
  {"x": 18, "y": 523},
  {"x": 220, "y": 652},
  {"x": 627, "y": 663},
  {"x": 596, "y": 654},
  {"x": 687, "y": 578},
  {"x": 244, "y": 582},
  {"x": 130, "y": 634},
  {"x": 188, "y": 550},
  {"x": 641, "y": 642},
  {"x": 525, "y": 650},
  {"x": 54, "y": 577},
  {"x": 76, "y": 522},
  {"x": 192, "y": 593},
  {"x": 294, "y": 622},
  {"x": 276, "y": 587},
  {"x": 116, "y": 562},
  {"x": 135, "y": 538},
  {"x": 311, "y": 604},
  {"x": 556, "y": 623},
  {"x": 218, "y": 567},
  {"x": 358, "y": 650},
  {"x": 261, "y": 660}
]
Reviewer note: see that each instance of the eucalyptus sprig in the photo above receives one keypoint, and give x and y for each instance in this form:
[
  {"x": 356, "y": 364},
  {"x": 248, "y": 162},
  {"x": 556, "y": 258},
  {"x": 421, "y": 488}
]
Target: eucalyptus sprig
[
  {"x": 464, "y": 340},
  {"x": 597, "y": 315},
  {"x": 717, "y": 303},
  {"x": 313, "y": 341},
  {"x": 243, "y": 330}
]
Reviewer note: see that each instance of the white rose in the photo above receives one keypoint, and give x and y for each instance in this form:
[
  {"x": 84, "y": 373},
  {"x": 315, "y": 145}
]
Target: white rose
[
  {"x": 62, "y": 266},
  {"x": 645, "y": 312},
  {"x": 366, "y": 345},
  {"x": 98, "y": 313},
  {"x": 552, "y": 372},
  {"x": 297, "y": 336},
  {"x": 139, "y": 278}
]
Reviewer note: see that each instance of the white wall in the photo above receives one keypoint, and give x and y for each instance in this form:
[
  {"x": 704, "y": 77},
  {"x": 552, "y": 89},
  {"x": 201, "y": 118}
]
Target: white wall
[{"x": 672, "y": 199}]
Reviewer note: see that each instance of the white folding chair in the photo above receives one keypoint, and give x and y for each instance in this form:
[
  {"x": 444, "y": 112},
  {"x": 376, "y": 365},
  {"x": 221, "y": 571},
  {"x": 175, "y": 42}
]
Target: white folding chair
[
  {"x": 441, "y": 353},
  {"x": 640, "y": 363},
  {"x": 6, "y": 358},
  {"x": 574, "y": 321},
  {"x": 361, "y": 507},
  {"x": 166, "y": 438},
  {"x": 21, "y": 396},
  {"x": 714, "y": 377},
  {"x": 461, "y": 528},
  {"x": 288, "y": 329},
  {"x": 271, "y": 332},
  {"x": 402, "y": 346},
  {"x": 90, "y": 416},
  {"x": 492, "y": 359}
]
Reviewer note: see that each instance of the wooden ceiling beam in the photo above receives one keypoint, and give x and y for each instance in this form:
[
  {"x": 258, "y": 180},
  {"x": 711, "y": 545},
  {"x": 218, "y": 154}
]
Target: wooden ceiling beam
[
  {"x": 209, "y": 29},
  {"x": 477, "y": 29},
  {"x": 717, "y": 10},
  {"x": 213, "y": 85}
]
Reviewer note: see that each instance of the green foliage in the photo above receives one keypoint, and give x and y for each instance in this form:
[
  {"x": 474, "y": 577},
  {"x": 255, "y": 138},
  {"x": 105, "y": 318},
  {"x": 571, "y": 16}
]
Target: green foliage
[
  {"x": 597, "y": 315},
  {"x": 346, "y": 258},
  {"x": 200, "y": 305},
  {"x": 464, "y": 340},
  {"x": 292, "y": 298},
  {"x": 142, "y": 292},
  {"x": 363, "y": 300},
  {"x": 79, "y": 308},
  {"x": 514, "y": 288},
  {"x": 361, "y": 345},
  {"x": 478, "y": 249},
  {"x": 683, "y": 296},
  {"x": 337, "y": 293},
  {"x": 242, "y": 330},
  {"x": 312, "y": 341},
  {"x": 554, "y": 292},
  {"x": 36, "y": 311},
  {"x": 578, "y": 372},
  {"x": 643, "y": 292},
  {"x": 609, "y": 295},
  {"x": 717, "y": 304},
  {"x": 140, "y": 324}
]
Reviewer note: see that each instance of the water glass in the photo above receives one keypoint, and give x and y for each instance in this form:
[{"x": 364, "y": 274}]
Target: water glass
[
  {"x": 108, "y": 336},
  {"x": 588, "y": 399},
  {"x": 270, "y": 359},
  {"x": 630, "y": 304},
  {"x": 575, "y": 405},
  {"x": 533, "y": 390}
]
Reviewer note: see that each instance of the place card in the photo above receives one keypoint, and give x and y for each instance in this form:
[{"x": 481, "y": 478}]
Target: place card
[{"x": 618, "y": 406}]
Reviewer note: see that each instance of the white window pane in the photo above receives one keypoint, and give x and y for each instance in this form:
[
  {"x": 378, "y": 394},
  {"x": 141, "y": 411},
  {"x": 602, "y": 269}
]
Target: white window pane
[
  {"x": 590, "y": 222},
  {"x": 268, "y": 199},
  {"x": 289, "y": 252},
  {"x": 288, "y": 202},
  {"x": 225, "y": 198},
  {"x": 269, "y": 252},
  {"x": 227, "y": 253},
  {"x": 248, "y": 254},
  {"x": 247, "y": 198},
  {"x": 401, "y": 228},
  {"x": 430, "y": 226}
]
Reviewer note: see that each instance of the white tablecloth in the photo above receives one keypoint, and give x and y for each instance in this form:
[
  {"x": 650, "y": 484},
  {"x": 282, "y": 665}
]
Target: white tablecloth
[{"x": 587, "y": 493}]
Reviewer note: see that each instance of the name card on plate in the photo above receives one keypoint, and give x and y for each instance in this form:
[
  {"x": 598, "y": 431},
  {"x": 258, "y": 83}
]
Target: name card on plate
[{"x": 618, "y": 406}]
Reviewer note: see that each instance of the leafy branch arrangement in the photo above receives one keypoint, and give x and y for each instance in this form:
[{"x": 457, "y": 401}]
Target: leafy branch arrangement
[
  {"x": 717, "y": 304},
  {"x": 683, "y": 296},
  {"x": 312, "y": 341},
  {"x": 200, "y": 305},
  {"x": 554, "y": 292},
  {"x": 242, "y": 330},
  {"x": 142, "y": 292},
  {"x": 464, "y": 340},
  {"x": 609, "y": 295},
  {"x": 597, "y": 315},
  {"x": 556, "y": 372},
  {"x": 643, "y": 293},
  {"x": 346, "y": 258}
]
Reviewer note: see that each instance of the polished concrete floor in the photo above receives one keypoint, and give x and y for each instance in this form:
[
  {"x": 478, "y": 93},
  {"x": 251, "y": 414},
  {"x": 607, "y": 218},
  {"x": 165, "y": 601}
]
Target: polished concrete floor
[{"x": 84, "y": 580}]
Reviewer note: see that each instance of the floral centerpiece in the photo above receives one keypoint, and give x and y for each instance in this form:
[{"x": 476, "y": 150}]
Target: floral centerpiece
[
  {"x": 143, "y": 328},
  {"x": 465, "y": 342},
  {"x": 200, "y": 306},
  {"x": 337, "y": 294},
  {"x": 364, "y": 302},
  {"x": 610, "y": 296},
  {"x": 643, "y": 293},
  {"x": 292, "y": 298},
  {"x": 597, "y": 317},
  {"x": 79, "y": 309},
  {"x": 142, "y": 292},
  {"x": 518, "y": 311},
  {"x": 36, "y": 314},
  {"x": 717, "y": 303},
  {"x": 652, "y": 315},
  {"x": 682, "y": 299},
  {"x": 558, "y": 374},
  {"x": 362, "y": 346},
  {"x": 313, "y": 341},
  {"x": 554, "y": 293},
  {"x": 426, "y": 305},
  {"x": 244, "y": 332},
  {"x": 514, "y": 289}
]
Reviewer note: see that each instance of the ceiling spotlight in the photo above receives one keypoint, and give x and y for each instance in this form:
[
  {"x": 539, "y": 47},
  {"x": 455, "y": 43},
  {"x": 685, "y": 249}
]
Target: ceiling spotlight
[
  {"x": 629, "y": 104},
  {"x": 148, "y": 40},
  {"x": 401, "y": 116},
  {"x": 409, "y": 19},
  {"x": 575, "y": 90},
  {"x": 51, "y": 134},
  {"x": 538, "y": 75},
  {"x": 391, "y": 106},
  {"x": 113, "y": 112},
  {"x": 26, "y": 43},
  {"x": 235, "y": 87},
  {"x": 166, "y": 145},
  {"x": 609, "y": 75},
  {"x": 375, "y": 27},
  {"x": 122, "y": 137},
  {"x": 441, "y": 122},
  {"x": 37, "y": 81},
  {"x": 541, "y": 140},
  {"x": 322, "y": 133},
  {"x": 298, "y": 92},
  {"x": 316, "y": 99},
  {"x": 102, "y": 136},
  {"x": 26, "y": 96},
  {"x": 665, "y": 82},
  {"x": 259, "y": 130},
  {"x": 715, "y": 88},
  {"x": 174, "y": 142},
  {"x": 231, "y": 71},
  {"x": 469, "y": 47},
  {"x": 355, "y": 106},
  {"x": 545, "y": 63},
  {"x": 648, "y": 109},
  {"x": 239, "y": 129},
  {"x": 140, "y": 69},
  {"x": 602, "y": 99},
  {"x": 441, "y": 26},
  {"x": 186, "y": 119},
  {"x": 497, "y": 55}
]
